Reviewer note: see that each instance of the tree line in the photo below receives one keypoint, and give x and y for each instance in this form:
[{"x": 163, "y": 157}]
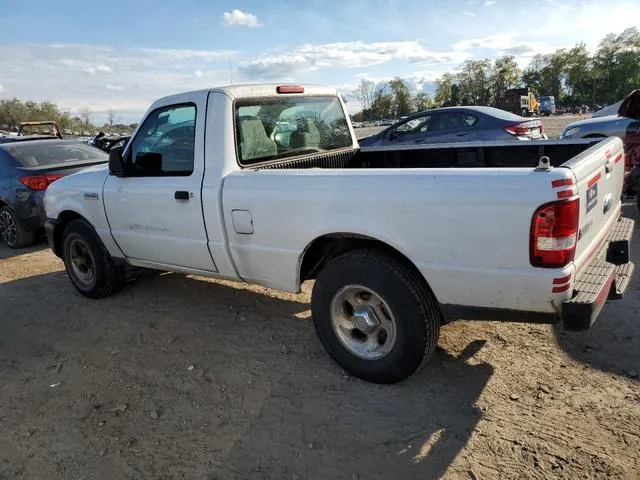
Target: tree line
[
  {"x": 13, "y": 111},
  {"x": 573, "y": 76}
]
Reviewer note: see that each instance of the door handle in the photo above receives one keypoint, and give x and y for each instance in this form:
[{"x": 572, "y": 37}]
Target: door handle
[
  {"x": 181, "y": 195},
  {"x": 462, "y": 134}
]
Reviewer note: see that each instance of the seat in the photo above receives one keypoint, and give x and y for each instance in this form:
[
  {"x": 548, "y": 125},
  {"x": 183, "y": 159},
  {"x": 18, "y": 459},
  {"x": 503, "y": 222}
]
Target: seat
[
  {"x": 307, "y": 135},
  {"x": 254, "y": 142}
]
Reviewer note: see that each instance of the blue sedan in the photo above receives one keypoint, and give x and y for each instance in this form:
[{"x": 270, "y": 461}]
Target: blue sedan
[
  {"x": 26, "y": 170},
  {"x": 457, "y": 124}
]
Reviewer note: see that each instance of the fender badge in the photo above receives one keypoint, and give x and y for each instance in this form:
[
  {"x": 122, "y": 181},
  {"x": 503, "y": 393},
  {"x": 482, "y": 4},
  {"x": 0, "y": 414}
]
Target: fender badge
[{"x": 91, "y": 196}]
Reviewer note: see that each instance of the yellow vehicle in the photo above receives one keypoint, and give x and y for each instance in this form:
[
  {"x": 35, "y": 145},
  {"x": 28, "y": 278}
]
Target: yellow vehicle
[
  {"x": 520, "y": 101},
  {"x": 39, "y": 128}
]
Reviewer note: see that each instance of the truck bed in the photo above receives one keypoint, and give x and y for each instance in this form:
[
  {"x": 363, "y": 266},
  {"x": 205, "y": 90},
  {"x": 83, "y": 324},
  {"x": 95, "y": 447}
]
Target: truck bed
[{"x": 451, "y": 155}]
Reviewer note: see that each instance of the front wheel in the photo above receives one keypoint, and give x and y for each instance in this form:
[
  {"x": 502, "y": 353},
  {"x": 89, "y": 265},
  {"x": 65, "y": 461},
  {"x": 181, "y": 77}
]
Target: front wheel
[
  {"x": 375, "y": 316},
  {"x": 90, "y": 267}
]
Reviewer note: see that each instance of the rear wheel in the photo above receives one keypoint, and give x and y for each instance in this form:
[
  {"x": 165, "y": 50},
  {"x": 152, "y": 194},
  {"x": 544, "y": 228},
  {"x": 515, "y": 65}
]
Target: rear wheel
[
  {"x": 375, "y": 316},
  {"x": 90, "y": 267},
  {"x": 12, "y": 233}
]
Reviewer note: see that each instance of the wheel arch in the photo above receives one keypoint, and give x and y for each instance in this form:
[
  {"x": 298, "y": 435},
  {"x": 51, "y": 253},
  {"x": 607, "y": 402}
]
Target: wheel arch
[
  {"x": 329, "y": 246},
  {"x": 64, "y": 218}
]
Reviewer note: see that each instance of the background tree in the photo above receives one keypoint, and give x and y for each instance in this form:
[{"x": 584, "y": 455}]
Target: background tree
[
  {"x": 444, "y": 90},
  {"x": 365, "y": 93},
  {"x": 85, "y": 118},
  {"x": 422, "y": 101},
  {"x": 504, "y": 75},
  {"x": 402, "y": 102},
  {"x": 112, "y": 118},
  {"x": 474, "y": 81}
]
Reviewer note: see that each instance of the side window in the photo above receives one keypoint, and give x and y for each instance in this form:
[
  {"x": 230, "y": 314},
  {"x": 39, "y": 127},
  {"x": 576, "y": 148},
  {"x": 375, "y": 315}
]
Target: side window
[
  {"x": 165, "y": 144},
  {"x": 419, "y": 124},
  {"x": 469, "y": 121},
  {"x": 454, "y": 121}
]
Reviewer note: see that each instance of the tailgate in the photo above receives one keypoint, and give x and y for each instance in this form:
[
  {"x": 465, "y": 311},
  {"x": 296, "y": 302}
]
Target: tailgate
[{"x": 599, "y": 177}]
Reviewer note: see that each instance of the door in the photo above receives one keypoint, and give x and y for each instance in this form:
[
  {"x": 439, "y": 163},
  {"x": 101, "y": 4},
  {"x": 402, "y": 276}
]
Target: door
[{"x": 155, "y": 210}]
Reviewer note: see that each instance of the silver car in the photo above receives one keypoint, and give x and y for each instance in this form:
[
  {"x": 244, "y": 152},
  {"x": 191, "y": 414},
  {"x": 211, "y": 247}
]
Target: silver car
[{"x": 624, "y": 124}]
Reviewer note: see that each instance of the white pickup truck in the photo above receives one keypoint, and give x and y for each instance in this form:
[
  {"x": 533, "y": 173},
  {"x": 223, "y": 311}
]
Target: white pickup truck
[{"x": 266, "y": 184}]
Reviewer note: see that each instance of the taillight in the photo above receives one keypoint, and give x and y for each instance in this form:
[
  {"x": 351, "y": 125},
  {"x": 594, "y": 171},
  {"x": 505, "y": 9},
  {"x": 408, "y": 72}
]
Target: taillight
[
  {"x": 554, "y": 234},
  {"x": 518, "y": 130},
  {"x": 39, "y": 182}
]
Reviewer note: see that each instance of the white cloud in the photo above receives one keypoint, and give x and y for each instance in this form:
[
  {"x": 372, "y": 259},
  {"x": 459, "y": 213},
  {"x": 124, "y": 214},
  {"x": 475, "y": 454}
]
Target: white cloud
[
  {"x": 104, "y": 69},
  {"x": 500, "y": 40},
  {"x": 188, "y": 54},
  {"x": 79, "y": 76},
  {"x": 199, "y": 73},
  {"x": 488, "y": 3},
  {"x": 1, "y": 88},
  {"x": 97, "y": 69},
  {"x": 469, "y": 14},
  {"x": 308, "y": 57},
  {"x": 238, "y": 17}
]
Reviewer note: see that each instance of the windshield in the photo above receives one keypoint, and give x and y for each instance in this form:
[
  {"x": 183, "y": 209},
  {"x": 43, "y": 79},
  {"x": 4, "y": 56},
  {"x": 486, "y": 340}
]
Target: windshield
[
  {"x": 43, "y": 154},
  {"x": 270, "y": 129}
]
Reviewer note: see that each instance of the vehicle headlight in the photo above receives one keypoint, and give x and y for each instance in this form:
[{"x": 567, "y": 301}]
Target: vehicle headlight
[{"x": 571, "y": 132}]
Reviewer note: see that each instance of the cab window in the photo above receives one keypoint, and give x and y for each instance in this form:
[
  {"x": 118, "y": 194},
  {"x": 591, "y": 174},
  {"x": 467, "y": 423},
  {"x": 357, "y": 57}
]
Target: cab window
[{"x": 165, "y": 143}]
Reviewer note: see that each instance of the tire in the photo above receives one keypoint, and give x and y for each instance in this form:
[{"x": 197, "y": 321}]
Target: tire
[
  {"x": 638, "y": 200},
  {"x": 408, "y": 315},
  {"x": 93, "y": 272},
  {"x": 12, "y": 233}
]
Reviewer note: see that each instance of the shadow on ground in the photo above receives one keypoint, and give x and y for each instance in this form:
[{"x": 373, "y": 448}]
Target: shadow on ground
[
  {"x": 613, "y": 343},
  {"x": 6, "y": 252},
  {"x": 177, "y": 377}
]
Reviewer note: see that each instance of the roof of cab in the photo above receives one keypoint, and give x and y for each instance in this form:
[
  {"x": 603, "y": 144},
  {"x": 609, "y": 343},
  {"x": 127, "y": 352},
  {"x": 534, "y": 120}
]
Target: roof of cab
[{"x": 251, "y": 90}]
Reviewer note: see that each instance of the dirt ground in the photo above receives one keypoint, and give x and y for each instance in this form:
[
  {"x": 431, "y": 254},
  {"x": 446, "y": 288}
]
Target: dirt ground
[{"x": 178, "y": 377}]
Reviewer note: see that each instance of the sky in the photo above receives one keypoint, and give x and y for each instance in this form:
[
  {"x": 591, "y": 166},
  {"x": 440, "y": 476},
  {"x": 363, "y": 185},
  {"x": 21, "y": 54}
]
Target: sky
[{"x": 121, "y": 55}]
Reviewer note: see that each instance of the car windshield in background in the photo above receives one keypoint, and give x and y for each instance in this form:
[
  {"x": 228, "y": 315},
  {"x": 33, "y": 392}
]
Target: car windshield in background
[
  {"x": 47, "y": 153},
  {"x": 270, "y": 129}
]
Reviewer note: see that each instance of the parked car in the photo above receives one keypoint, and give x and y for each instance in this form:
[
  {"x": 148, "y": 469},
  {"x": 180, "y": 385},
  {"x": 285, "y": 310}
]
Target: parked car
[
  {"x": 624, "y": 123},
  {"x": 27, "y": 168},
  {"x": 47, "y": 128},
  {"x": 457, "y": 124},
  {"x": 392, "y": 242}
]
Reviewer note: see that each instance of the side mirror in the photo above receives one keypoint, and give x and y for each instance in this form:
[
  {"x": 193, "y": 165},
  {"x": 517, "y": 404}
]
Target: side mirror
[
  {"x": 116, "y": 164},
  {"x": 150, "y": 163}
]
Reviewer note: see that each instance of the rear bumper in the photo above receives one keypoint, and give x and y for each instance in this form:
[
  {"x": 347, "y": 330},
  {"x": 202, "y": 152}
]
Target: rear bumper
[
  {"x": 30, "y": 210},
  {"x": 606, "y": 277}
]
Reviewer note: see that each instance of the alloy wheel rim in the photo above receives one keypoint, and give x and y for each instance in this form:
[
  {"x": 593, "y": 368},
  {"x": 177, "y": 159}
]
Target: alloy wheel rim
[{"x": 8, "y": 230}]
